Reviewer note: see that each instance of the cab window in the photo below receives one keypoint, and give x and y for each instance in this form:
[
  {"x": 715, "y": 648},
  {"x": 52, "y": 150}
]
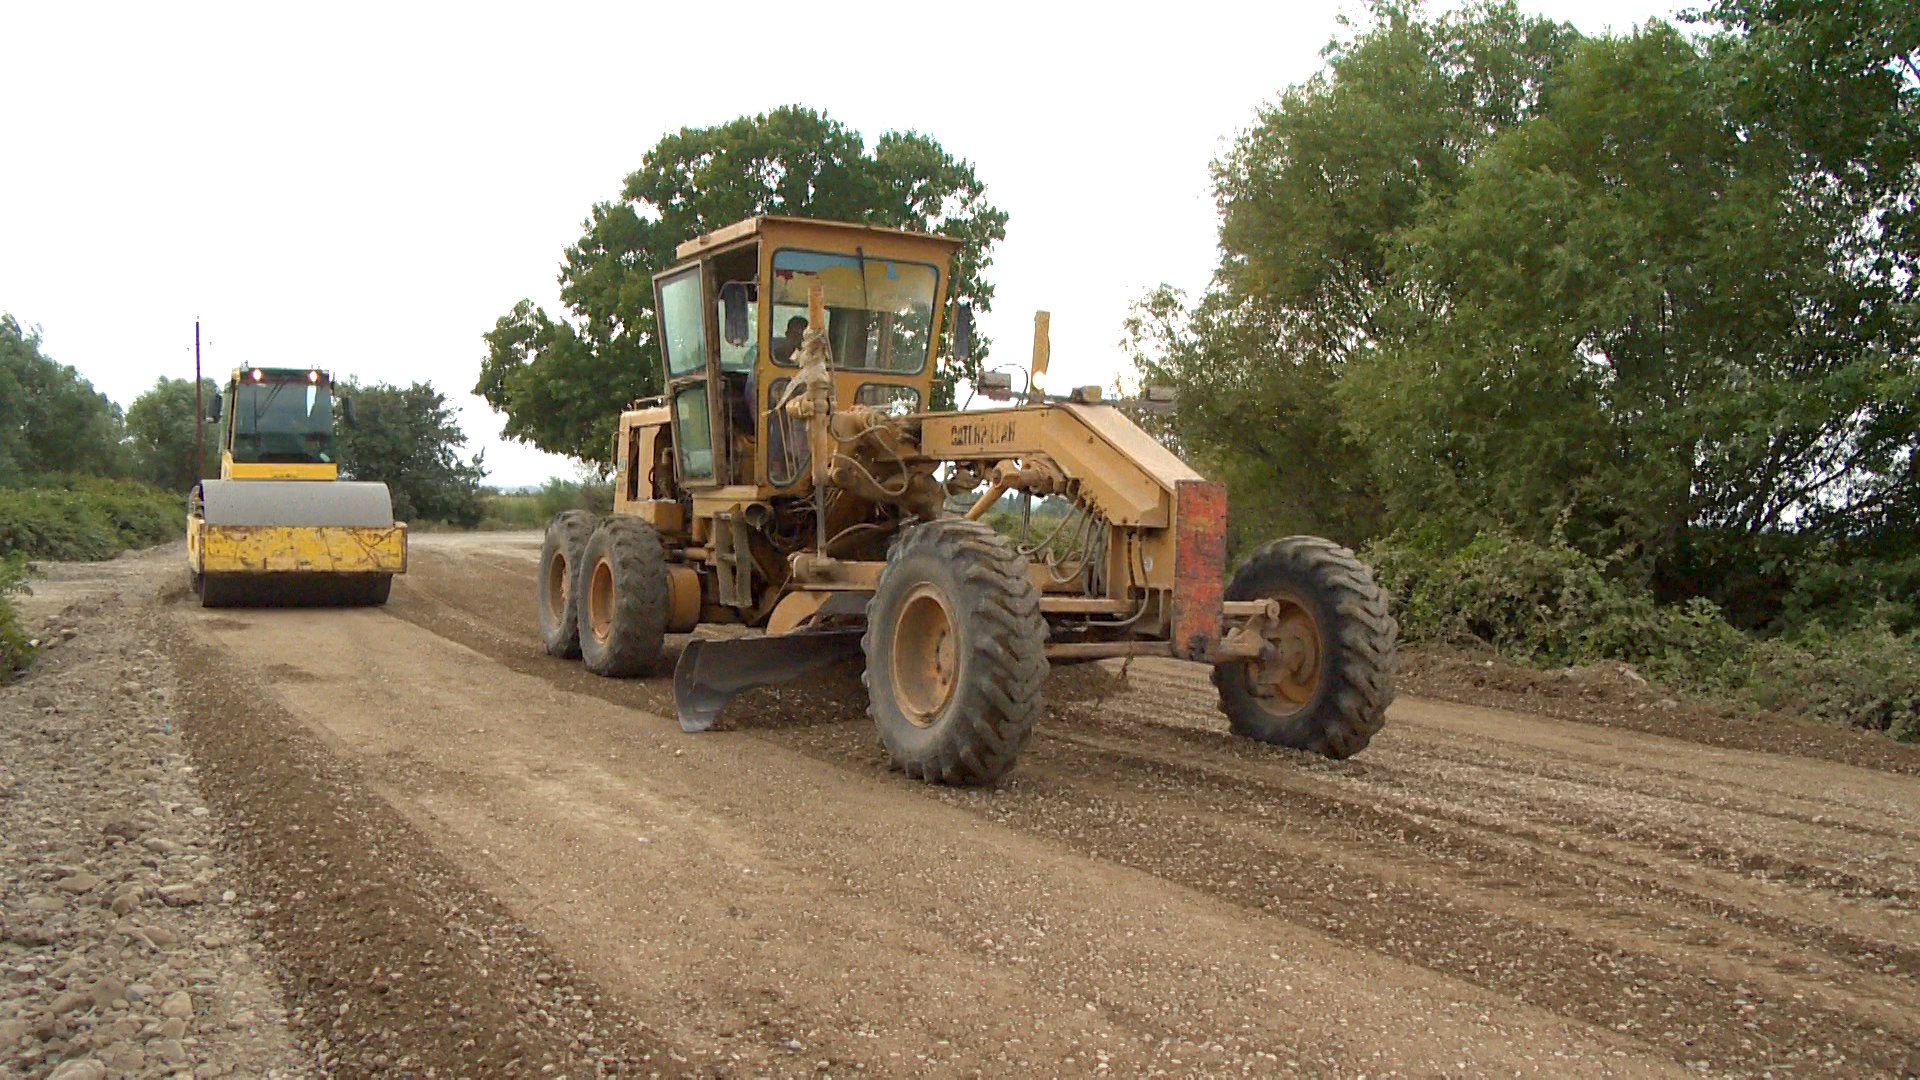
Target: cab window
[
  {"x": 889, "y": 398},
  {"x": 682, "y": 330},
  {"x": 696, "y": 432},
  {"x": 879, "y": 311}
]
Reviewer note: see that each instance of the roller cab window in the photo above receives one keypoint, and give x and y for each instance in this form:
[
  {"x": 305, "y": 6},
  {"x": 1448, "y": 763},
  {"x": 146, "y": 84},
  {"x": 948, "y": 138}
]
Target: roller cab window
[{"x": 282, "y": 420}]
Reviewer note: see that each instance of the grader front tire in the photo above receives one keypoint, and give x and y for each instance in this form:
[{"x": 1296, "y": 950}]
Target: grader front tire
[
  {"x": 956, "y": 654},
  {"x": 623, "y": 599},
  {"x": 1328, "y": 679},
  {"x": 557, "y": 605}
]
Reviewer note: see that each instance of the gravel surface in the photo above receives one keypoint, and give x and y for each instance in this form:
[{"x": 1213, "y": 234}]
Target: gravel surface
[
  {"x": 124, "y": 948},
  {"x": 450, "y": 854}
]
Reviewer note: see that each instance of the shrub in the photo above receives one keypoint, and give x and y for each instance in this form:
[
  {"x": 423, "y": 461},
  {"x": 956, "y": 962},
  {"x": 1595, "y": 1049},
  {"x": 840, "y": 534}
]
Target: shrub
[
  {"x": 510, "y": 510},
  {"x": 87, "y": 519},
  {"x": 1552, "y": 605},
  {"x": 1866, "y": 676},
  {"x": 14, "y": 650},
  {"x": 557, "y": 495}
]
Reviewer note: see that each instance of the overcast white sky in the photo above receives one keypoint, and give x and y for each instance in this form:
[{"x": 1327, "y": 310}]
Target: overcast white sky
[{"x": 367, "y": 187}]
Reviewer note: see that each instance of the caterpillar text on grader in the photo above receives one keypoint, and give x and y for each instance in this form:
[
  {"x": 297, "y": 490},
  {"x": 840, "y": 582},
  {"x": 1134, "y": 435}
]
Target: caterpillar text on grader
[
  {"x": 792, "y": 481},
  {"x": 279, "y": 527}
]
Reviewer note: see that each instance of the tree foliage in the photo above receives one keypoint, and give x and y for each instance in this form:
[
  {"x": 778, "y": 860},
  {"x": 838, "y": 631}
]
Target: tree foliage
[
  {"x": 409, "y": 439},
  {"x": 52, "y": 421},
  {"x": 1652, "y": 293},
  {"x": 562, "y": 381},
  {"x": 161, "y": 432}
]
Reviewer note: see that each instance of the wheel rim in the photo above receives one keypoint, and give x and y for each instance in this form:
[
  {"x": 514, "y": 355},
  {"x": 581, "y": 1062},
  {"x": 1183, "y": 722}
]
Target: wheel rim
[
  {"x": 1286, "y": 677},
  {"x": 926, "y": 655},
  {"x": 556, "y": 587},
  {"x": 600, "y": 601}
]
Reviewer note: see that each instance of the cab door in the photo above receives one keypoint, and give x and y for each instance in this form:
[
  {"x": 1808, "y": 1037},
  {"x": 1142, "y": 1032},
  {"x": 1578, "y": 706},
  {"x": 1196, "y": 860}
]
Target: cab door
[{"x": 680, "y": 298}]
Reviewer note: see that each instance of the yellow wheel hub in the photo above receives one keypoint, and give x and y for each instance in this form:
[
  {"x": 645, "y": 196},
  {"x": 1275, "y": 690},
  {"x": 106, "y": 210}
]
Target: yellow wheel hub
[
  {"x": 926, "y": 655},
  {"x": 1289, "y": 671}
]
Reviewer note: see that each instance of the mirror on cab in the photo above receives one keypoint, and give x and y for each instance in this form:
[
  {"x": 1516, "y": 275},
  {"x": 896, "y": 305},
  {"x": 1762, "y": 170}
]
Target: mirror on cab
[
  {"x": 346, "y": 410},
  {"x": 737, "y": 328},
  {"x": 213, "y": 406},
  {"x": 962, "y": 332}
]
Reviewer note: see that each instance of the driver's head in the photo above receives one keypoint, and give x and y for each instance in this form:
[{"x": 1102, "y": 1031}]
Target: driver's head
[{"x": 796, "y": 326}]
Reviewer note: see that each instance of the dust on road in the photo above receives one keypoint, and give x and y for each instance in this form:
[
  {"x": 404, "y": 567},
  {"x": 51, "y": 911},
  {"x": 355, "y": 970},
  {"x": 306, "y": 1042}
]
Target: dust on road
[{"x": 1480, "y": 890}]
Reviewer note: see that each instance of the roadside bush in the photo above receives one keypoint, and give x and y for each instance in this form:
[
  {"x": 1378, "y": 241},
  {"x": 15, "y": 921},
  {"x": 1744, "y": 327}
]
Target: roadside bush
[
  {"x": 510, "y": 510},
  {"x": 558, "y": 494},
  {"x": 87, "y": 519},
  {"x": 1866, "y": 677},
  {"x": 1553, "y": 606},
  {"x": 14, "y": 650}
]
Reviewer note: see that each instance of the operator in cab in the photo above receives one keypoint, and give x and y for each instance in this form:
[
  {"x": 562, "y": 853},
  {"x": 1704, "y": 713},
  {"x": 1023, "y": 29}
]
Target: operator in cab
[{"x": 786, "y": 347}]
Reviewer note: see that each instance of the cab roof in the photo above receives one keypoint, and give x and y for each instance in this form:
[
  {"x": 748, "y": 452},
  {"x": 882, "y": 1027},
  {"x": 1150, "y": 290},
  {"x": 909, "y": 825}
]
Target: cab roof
[{"x": 753, "y": 226}]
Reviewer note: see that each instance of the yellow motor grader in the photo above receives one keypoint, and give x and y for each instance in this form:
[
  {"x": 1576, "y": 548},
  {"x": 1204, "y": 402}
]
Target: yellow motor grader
[
  {"x": 792, "y": 479},
  {"x": 280, "y": 528}
]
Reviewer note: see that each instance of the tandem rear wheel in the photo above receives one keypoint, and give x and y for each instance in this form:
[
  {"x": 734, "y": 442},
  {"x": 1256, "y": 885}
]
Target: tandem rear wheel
[{"x": 620, "y": 601}]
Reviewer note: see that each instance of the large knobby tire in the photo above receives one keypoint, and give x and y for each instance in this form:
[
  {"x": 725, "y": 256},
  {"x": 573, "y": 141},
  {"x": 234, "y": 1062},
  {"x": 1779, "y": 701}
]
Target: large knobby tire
[
  {"x": 1328, "y": 682},
  {"x": 560, "y": 553},
  {"x": 622, "y": 598},
  {"x": 956, "y": 654}
]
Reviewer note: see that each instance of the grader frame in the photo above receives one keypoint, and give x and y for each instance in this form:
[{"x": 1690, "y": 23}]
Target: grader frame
[{"x": 790, "y": 480}]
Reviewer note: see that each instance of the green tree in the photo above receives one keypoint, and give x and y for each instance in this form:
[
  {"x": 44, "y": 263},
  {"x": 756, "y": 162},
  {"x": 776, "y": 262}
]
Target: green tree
[
  {"x": 51, "y": 420},
  {"x": 562, "y": 382},
  {"x": 1311, "y": 198},
  {"x": 161, "y": 430},
  {"x": 1651, "y": 293},
  {"x": 409, "y": 438}
]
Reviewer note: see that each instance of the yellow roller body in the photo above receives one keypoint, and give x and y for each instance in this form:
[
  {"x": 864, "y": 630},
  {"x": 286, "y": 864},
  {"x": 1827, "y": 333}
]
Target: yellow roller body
[
  {"x": 274, "y": 543},
  {"x": 269, "y": 549}
]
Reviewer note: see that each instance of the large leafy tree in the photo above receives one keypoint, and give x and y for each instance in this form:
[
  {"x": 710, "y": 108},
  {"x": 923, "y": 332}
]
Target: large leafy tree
[
  {"x": 409, "y": 438},
  {"x": 1311, "y": 198},
  {"x": 52, "y": 421},
  {"x": 161, "y": 432},
  {"x": 1652, "y": 292},
  {"x": 562, "y": 381}
]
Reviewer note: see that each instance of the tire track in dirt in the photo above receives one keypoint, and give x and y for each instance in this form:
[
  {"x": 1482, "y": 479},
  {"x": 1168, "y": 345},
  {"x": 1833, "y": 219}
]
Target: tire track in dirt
[
  {"x": 1743, "y": 927},
  {"x": 395, "y": 962}
]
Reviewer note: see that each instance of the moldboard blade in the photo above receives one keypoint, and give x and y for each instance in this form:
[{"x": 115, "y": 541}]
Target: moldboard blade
[{"x": 712, "y": 670}]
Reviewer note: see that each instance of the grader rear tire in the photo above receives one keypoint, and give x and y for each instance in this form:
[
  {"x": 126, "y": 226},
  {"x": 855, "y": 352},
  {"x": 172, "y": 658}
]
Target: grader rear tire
[
  {"x": 622, "y": 599},
  {"x": 1328, "y": 682},
  {"x": 557, "y": 614},
  {"x": 956, "y": 654}
]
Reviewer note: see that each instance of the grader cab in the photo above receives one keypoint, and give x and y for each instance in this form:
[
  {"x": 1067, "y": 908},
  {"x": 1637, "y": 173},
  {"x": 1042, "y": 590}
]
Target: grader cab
[{"x": 793, "y": 480}]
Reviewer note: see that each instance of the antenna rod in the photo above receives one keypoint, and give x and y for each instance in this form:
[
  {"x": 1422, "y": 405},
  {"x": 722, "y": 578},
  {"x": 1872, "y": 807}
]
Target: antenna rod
[{"x": 199, "y": 414}]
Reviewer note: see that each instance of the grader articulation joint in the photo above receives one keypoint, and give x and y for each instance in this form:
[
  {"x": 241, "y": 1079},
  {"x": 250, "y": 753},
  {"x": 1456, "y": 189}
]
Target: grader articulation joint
[{"x": 792, "y": 479}]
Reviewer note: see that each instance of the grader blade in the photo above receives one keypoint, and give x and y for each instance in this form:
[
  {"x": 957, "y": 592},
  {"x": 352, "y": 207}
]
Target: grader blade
[{"x": 712, "y": 670}]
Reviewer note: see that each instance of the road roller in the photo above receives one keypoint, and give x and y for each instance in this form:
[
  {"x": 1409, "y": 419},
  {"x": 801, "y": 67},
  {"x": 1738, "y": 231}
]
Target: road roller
[{"x": 280, "y": 528}]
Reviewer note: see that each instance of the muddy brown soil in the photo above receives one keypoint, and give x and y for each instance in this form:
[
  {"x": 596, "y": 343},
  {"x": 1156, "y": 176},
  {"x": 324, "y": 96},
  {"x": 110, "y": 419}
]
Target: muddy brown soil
[{"x": 564, "y": 880}]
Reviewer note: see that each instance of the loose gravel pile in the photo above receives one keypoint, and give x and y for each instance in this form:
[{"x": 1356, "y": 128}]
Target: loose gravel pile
[{"x": 123, "y": 948}]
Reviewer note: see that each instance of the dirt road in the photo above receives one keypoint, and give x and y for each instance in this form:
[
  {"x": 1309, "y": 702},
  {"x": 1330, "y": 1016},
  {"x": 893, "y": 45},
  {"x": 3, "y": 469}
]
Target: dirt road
[{"x": 476, "y": 853}]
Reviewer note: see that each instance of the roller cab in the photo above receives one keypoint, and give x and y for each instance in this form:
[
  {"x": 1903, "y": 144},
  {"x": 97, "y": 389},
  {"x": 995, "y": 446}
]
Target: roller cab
[{"x": 279, "y": 527}]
